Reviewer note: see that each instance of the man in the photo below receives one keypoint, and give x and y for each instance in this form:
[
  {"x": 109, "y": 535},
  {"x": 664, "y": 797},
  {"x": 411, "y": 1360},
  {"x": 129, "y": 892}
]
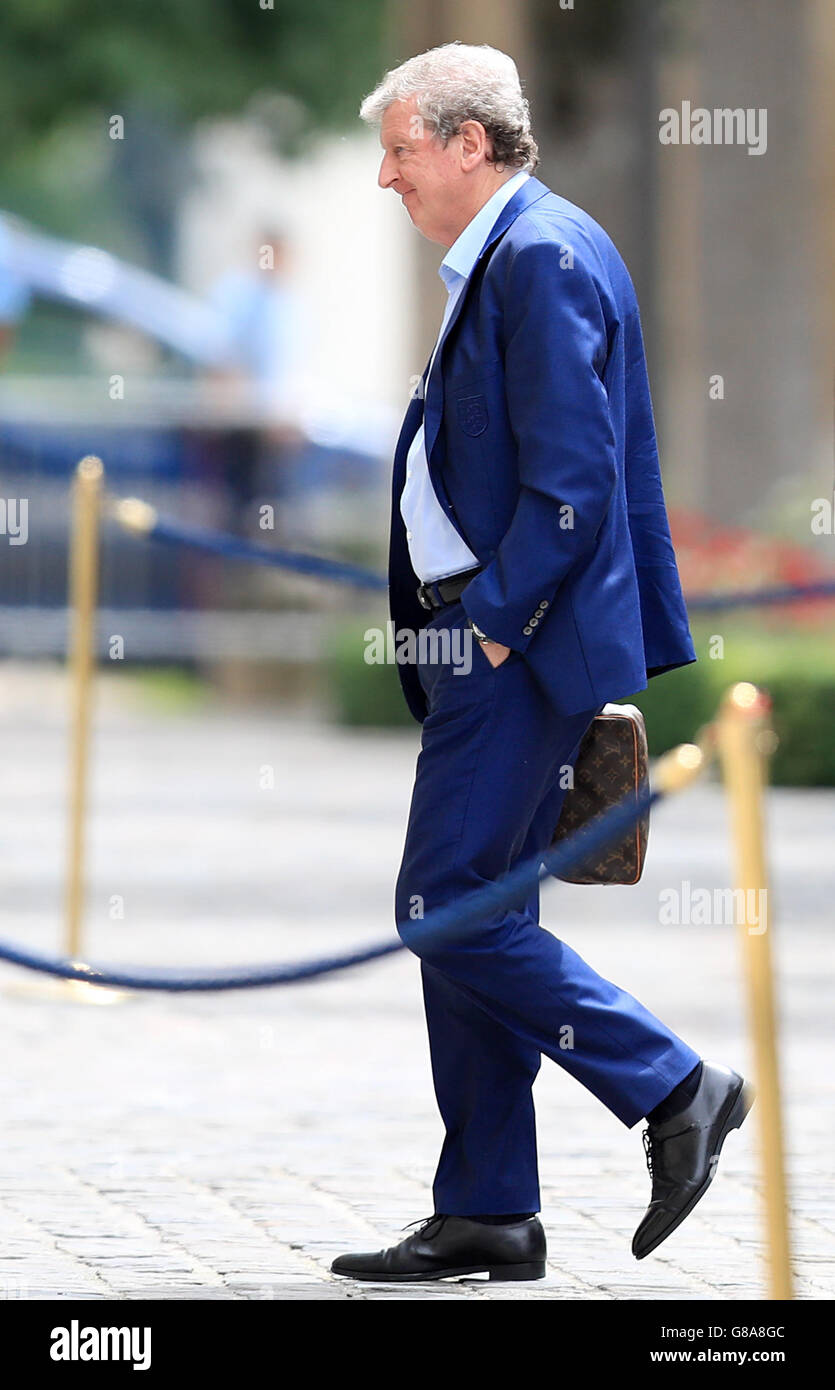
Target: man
[{"x": 527, "y": 510}]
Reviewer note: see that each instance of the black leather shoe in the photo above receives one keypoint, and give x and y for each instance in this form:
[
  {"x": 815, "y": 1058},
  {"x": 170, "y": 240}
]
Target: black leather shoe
[
  {"x": 448, "y": 1245},
  {"x": 682, "y": 1153}
]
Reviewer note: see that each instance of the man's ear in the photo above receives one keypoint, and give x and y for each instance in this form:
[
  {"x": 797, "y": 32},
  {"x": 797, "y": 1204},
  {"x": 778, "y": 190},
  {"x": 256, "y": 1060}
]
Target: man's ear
[{"x": 475, "y": 144}]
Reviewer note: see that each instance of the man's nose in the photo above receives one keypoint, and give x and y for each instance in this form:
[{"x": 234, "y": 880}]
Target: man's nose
[{"x": 388, "y": 171}]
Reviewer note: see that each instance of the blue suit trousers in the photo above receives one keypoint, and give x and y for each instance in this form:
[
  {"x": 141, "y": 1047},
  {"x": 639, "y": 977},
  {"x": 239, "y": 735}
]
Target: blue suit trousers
[{"x": 487, "y": 794}]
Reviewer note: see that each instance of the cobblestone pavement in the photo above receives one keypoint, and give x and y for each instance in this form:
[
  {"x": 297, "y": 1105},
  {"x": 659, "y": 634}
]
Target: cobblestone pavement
[{"x": 228, "y": 1147}]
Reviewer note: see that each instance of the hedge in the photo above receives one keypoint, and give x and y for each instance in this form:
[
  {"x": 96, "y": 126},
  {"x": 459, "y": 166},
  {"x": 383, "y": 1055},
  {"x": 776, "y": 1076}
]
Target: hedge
[{"x": 797, "y": 667}]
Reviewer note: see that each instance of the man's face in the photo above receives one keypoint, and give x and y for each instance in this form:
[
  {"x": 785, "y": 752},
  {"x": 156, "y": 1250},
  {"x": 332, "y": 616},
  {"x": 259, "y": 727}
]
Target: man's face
[{"x": 428, "y": 175}]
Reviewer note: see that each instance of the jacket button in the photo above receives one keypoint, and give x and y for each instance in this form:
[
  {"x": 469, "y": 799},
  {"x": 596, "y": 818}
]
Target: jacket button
[
  {"x": 534, "y": 622},
  {"x": 538, "y": 613},
  {"x": 527, "y": 631},
  {"x": 543, "y": 603}
]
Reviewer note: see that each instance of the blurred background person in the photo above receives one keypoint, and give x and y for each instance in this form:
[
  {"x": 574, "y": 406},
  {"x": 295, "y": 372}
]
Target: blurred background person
[
  {"x": 262, "y": 312},
  {"x": 257, "y": 302}
]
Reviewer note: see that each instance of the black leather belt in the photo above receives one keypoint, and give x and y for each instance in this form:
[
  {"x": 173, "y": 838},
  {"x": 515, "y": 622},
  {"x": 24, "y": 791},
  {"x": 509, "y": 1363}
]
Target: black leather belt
[{"x": 443, "y": 591}]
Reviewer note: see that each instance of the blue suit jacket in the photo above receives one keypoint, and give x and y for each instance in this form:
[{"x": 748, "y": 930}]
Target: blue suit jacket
[{"x": 541, "y": 448}]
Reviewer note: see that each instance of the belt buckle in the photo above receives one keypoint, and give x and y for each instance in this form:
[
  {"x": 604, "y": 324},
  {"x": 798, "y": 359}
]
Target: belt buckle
[{"x": 423, "y": 596}]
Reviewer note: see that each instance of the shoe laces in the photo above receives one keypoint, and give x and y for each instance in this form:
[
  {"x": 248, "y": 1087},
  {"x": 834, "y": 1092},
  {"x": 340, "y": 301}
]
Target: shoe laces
[
  {"x": 424, "y": 1222},
  {"x": 646, "y": 1139}
]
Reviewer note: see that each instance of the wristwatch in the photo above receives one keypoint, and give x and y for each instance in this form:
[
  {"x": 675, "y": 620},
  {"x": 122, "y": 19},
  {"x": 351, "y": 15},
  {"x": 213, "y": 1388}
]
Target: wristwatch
[{"x": 478, "y": 634}]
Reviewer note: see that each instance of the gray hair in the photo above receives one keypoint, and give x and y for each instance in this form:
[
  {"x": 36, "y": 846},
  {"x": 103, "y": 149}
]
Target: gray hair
[{"x": 461, "y": 82}]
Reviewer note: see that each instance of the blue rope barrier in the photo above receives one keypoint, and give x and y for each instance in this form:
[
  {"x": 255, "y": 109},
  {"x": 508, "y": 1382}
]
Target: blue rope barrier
[
  {"x": 449, "y": 921},
  {"x": 215, "y": 543},
  {"x": 321, "y": 567},
  {"x": 744, "y": 598}
]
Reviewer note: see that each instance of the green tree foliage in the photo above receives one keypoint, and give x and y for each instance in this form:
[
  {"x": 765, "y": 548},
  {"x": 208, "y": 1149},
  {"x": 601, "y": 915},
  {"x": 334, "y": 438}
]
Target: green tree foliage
[{"x": 63, "y": 60}]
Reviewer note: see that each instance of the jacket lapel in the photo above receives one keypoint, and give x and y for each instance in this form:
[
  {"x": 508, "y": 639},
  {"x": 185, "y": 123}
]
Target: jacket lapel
[{"x": 530, "y": 192}]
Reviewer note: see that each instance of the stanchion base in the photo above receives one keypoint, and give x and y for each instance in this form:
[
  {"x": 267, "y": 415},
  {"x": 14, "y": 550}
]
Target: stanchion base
[{"x": 66, "y": 991}]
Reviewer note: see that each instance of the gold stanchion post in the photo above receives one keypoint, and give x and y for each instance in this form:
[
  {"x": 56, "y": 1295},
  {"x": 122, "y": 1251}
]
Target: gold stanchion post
[
  {"x": 745, "y": 739},
  {"x": 83, "y": 594},
  {"x": 85, "y": 512}
]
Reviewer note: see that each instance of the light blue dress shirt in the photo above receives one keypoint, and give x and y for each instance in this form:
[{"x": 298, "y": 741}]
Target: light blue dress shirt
[{"x": 435, "y": 547}]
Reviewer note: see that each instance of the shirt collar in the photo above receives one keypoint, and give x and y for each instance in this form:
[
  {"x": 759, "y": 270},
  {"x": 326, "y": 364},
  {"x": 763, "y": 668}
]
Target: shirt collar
[{"x": 465, "y": 250}]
